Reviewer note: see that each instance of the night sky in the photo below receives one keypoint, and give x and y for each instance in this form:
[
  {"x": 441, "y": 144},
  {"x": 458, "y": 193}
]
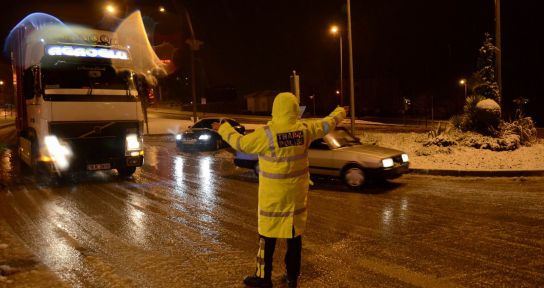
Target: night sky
[{"x": 409, "y": 48}]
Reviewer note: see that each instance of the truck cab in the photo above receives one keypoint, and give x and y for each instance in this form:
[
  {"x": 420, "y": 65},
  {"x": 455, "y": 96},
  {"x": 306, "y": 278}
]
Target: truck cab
[{"x": 78, "y": 106}]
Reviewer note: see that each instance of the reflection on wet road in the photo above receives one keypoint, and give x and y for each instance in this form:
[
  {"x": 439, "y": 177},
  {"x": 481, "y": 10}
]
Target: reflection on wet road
[{"x": 189, "y": 220}]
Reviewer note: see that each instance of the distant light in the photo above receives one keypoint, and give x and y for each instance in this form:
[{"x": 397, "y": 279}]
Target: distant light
[
  {"x": 405, "y": 158},
  {"x": 128, "y": 46},
  {"x": 178, "y": 137},
  {"x": 334, "y": 29},
  {"x": 110, "y": 9},
  {"x": 161, "y": 9},
  {"x": 462, "y": 81},
  {"x": 42, "y": 40},
  {"x": 337, "y": 92},
  {"x": 1, "y": 82}
]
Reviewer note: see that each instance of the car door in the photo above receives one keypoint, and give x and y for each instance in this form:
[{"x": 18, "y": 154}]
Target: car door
[{"x": 321, "y": 159}]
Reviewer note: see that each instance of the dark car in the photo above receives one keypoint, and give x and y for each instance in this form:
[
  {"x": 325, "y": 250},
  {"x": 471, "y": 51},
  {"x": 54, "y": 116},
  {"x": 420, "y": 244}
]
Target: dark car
[
  {"x": 340, "y": 154},
  {"x": 201, "y": 135}
]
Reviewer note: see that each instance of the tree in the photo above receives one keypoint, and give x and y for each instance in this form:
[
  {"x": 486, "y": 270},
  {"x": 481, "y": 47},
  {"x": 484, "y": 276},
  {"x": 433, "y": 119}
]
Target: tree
[{"x": 486, "y": 82}]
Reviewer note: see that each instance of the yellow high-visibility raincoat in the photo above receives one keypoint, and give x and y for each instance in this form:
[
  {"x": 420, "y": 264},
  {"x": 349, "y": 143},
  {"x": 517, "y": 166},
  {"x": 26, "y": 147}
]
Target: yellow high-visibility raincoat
[{"x": 282, "y": 146}]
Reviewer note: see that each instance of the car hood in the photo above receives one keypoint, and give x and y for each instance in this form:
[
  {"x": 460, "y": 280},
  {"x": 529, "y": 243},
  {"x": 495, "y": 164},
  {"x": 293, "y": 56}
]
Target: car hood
[{"x": 371, "y": 150}]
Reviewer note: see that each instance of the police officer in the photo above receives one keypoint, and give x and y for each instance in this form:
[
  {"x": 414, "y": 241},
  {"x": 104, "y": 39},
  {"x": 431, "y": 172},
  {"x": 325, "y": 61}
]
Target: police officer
[{"x": 282, "y": 146}]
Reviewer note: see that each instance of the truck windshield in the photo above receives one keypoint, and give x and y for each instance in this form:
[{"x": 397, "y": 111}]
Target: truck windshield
[{"x": 71, "y": 80}]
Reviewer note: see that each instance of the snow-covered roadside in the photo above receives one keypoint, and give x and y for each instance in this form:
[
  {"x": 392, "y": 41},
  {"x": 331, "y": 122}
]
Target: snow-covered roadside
[{"x": 457, "y": 157}]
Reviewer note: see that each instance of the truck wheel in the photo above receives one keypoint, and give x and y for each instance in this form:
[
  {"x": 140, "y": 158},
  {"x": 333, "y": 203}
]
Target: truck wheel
[
  {"x": 126, "y": 172},
  {"x": 354, "y": 177}
]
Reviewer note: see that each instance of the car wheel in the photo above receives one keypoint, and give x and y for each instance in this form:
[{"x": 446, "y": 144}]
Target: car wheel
[
  {"x": 354, "y": 177},
  {"x": 126, "y": 172}
]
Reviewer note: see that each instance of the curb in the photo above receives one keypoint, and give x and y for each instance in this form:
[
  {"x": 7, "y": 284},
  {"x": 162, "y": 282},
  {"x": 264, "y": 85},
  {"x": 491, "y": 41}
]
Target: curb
[
  {"x": 6, "y": 125},
  {"x": 477, "y": 173}
]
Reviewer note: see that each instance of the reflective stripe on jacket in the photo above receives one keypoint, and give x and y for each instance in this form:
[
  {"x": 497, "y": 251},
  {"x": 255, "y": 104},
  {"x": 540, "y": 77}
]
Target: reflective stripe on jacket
[{"x": 282, "y": 146}]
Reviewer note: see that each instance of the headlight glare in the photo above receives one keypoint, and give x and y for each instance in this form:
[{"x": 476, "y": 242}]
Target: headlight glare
[
  {"x": 405, "y": 158},
  {"x": 388, "y": 162},
  {"x": 133, "y": 143},
  {"x": 59, "y": 152},
  {"x": 204, "y": 137},
  {"x": 178, "y": 136}
]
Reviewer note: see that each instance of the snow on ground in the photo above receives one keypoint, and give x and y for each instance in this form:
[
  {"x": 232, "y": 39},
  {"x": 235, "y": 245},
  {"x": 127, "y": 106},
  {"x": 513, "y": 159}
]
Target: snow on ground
[{"x": 457, "y": 157}]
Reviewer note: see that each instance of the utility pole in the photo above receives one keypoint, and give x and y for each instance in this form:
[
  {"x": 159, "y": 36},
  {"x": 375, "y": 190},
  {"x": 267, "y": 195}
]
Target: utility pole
[
  {"x": 351, "y": 83},
  {"x": 498, "y": 47}
]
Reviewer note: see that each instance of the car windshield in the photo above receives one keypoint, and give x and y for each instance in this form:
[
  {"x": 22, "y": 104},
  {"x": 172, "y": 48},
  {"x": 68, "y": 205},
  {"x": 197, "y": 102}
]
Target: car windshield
[
  {"x": 205, "y": 123},
  {"x": 340, "y": 138}
]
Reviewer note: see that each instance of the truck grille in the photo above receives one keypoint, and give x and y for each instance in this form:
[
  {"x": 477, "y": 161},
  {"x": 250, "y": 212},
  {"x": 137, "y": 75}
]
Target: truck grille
[{"x": 94, "y": 142}]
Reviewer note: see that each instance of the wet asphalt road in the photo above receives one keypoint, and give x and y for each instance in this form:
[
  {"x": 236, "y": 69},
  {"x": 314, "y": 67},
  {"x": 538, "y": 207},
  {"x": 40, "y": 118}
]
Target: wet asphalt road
[{"x": 189, "y": 220}]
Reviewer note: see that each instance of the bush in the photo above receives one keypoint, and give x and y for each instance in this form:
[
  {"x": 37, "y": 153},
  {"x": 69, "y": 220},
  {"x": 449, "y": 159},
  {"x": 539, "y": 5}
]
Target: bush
[
  {"x": 524, "y": 128},
  {"x": 487, "y": 117}
]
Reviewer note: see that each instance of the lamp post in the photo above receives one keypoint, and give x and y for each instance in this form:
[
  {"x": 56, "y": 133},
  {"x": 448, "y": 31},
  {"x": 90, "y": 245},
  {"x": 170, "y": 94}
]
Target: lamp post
[
  {"x": 194, "y": 45},
  {"x": 336, "y": 31},
  {"x": 351, "y": 83},
  {"x": 312, "y": 97},
  {"x": 464, "y": 83},
  {"x": 2, "y": 96}
]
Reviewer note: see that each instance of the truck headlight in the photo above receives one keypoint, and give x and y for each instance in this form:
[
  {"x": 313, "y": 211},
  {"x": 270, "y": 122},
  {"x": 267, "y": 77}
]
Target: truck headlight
[
  {"x": 388, "y": 162},
  {"x": 58, "y": 151},
  {"x": 133, "y": 142},
  {"x": 405, "y": 158},
  {"x": 179, "y": 136},
  {"x": 204, "y": 137}
]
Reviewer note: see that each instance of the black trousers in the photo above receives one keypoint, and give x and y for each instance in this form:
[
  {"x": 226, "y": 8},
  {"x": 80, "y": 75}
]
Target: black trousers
[{"x": 266, "y": 252}]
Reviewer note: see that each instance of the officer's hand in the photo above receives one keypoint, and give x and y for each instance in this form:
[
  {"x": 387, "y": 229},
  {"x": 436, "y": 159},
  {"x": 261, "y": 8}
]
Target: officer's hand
[
  {"x": 346, "y": 108},
  {"x": 216, "y": 125}
]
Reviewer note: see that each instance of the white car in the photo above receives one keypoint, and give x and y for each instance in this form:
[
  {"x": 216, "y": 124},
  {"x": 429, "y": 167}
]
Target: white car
[{"x": 340, "y": 154}]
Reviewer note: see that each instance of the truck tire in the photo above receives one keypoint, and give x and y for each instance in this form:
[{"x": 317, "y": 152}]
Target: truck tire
[{"x": 126, "y": 172}]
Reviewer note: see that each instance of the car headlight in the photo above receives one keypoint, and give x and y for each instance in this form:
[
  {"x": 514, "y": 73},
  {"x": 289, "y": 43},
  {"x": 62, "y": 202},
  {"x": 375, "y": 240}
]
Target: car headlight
[
  {"x": 405, "y": 158},
  {"x": 204, "y": 137},
  {"x": 179, "y": 136},
  {"x": 133, "y": 143},
  {"x": 58, "y": 151},
  {"x": 388, "y": 162}
]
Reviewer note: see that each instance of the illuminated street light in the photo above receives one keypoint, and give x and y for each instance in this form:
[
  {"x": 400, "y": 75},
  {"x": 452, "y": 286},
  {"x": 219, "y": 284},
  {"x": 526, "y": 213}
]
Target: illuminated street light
[
  {"x": 464, "y": 83},
  {"x": 336, "y": 31},
  {"x": 111, "y": 9},
  {"x": 162, "y": 9}
]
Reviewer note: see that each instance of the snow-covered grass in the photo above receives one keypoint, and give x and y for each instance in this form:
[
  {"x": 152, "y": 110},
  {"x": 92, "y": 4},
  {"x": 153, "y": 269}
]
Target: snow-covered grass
[{"x": 458, "y": 157}]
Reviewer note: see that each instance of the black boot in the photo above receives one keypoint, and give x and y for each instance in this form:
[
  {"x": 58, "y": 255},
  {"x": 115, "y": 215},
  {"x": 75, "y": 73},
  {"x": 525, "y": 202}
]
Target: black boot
[
  {"x": 254, "y": 281},
  {"x": 291, "y": 282}
]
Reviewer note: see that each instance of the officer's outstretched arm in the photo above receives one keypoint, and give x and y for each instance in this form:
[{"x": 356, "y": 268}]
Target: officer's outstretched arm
[
  {"x": 319, "y": 128},
  {"x": 252, "y": 143}
]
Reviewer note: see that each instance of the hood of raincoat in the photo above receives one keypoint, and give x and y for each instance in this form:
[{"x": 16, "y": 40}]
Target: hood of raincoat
[{"x": 285, "y": 108}]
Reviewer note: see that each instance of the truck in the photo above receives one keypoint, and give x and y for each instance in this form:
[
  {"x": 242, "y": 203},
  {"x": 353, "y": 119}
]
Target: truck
[{"x": 77, "y": 110}]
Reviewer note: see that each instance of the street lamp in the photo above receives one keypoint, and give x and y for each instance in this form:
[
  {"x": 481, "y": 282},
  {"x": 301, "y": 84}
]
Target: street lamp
[
  {"x": 351, "y": 81},
  {"x": 194, "y": 46},
  {"x": 2, "y": 95},
  {"x": 336, "y": 31},
  {"x": 162, "y": 9},
  {"x": 464, "y": 83},
  {"x": 111, "y": 9},
  {"x": 312, "y": 97}
]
